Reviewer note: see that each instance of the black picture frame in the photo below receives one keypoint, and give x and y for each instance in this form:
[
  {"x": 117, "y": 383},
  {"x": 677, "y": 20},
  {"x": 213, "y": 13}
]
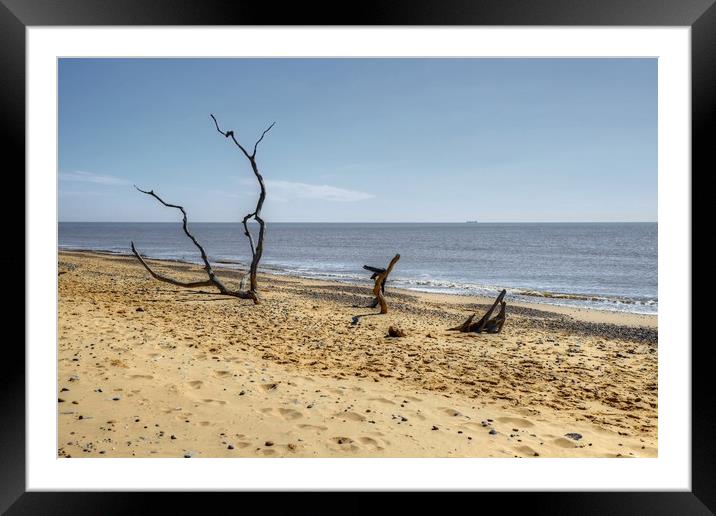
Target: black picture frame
[{"x": 17, "y": 15}]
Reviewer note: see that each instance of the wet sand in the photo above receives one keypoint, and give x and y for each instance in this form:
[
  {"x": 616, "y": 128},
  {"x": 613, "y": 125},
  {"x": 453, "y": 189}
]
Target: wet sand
[{"x": 146, "y": 369}]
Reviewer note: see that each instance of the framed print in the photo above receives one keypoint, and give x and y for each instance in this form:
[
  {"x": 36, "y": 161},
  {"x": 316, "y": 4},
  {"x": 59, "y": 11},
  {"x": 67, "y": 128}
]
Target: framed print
[{"x": 419, "y": 249}]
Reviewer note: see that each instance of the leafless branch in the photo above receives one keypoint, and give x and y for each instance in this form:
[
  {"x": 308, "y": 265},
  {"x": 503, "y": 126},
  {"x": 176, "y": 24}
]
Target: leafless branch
[
  {"x": 258, "y": 246},
  {"x": 262, "y": 137},
  {"x": 230, "y": 134},
  {"x": 212, "y": 281},
  {"x": 204, "y": 257},
  {"x": 157, "y": 276}
]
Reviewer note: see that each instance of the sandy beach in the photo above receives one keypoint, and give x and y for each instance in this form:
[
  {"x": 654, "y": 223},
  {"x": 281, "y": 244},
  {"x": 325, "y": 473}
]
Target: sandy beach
[{"x": 146, "y": 369}]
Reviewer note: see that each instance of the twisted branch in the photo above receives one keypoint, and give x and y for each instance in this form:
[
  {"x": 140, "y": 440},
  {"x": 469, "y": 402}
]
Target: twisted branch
[
  {"x": 157, "y": 276},
  {"x": 212, "y": 281},
  {"x": 257, "y": 248}
]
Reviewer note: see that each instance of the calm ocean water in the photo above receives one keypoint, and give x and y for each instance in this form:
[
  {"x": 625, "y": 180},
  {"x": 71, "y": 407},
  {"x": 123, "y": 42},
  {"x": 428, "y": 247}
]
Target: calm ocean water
[{"x": 607, "y": 266}]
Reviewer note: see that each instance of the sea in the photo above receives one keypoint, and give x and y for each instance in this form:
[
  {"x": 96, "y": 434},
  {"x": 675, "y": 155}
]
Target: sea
[{"x": 607, "y": 266}]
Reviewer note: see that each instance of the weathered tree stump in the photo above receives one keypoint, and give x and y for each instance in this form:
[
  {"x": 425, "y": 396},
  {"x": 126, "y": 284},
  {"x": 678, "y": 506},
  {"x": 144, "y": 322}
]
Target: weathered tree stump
[
  {"x": 380, "y": 276},
  {"x": 485, "y": 324}
]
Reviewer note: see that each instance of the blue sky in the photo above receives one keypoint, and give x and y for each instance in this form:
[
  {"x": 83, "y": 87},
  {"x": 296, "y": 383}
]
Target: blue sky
[{"x": 361, "y": 140}]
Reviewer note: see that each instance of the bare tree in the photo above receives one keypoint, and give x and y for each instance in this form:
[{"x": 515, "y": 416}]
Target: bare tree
[{"x": 256, "y": 250}]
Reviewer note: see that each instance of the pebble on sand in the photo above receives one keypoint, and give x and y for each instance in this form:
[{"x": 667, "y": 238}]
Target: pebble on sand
[{"x": 394, "y": 331}]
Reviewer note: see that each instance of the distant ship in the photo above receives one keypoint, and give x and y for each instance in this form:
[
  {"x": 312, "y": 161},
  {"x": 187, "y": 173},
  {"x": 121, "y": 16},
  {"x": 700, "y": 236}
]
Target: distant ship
[{"x": 470, "y": 222}]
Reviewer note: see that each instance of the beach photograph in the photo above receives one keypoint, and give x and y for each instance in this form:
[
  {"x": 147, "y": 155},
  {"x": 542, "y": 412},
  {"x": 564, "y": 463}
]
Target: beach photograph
[{"x": 357, "y": 258}]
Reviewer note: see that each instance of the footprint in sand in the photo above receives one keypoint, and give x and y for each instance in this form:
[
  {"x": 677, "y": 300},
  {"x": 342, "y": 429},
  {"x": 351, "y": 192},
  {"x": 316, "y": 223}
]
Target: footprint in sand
[
  {"x": 516, "y": 421},
  {"x": 290, "y": 414},
  {"x": 317, "y": 428},
  {"x": 450, "y": 411},
  {"x": 222, "y": 374},
  {"x": 284, "y": 413},
  {"x": 213, "y": 402},
  {"x": 352, "y": 416},
  {"x": 564, "y": 443},
  {"x": 383, "y": 400},
  {"x": 195, "y": 384},
  {"x": 370, "y": 443},
  {"x": 526, "y": 450},
  {"x": 142, "y": 377}
]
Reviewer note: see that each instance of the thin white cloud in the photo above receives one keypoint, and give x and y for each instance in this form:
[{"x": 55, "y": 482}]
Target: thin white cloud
[
  {"x": 73, "y": 193},
  {"x": 289, "y": 189},
  {"x": 89, "y": 177}
]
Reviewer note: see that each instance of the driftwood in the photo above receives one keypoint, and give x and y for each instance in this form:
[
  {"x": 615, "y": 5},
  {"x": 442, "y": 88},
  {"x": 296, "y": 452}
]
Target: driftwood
[
  {"x": 380, "y": 276},
  {"x": 485, "y": 324},
  {"x": 256, "y": 250},
  {"x": 212, "y": 281},
  {"x": 376, "y": 271}
]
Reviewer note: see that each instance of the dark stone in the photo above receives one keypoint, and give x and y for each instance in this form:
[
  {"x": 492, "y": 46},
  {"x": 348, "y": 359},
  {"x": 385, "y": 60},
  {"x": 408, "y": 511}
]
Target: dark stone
[{"x": 395, "y": 332}]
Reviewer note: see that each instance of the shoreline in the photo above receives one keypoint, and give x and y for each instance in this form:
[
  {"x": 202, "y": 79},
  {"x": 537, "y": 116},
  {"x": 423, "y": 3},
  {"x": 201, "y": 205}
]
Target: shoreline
[{"x": 586, "y": 314}]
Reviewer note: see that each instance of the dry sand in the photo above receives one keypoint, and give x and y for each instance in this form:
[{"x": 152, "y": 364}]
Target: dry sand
[{"x": 151, "y": 370}]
